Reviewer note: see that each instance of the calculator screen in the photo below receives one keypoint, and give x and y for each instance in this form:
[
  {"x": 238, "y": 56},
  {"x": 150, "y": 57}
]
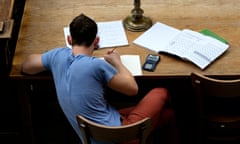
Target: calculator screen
[
  {"x": 153, "y": 58},
  {"x": 148, "y": 66}
]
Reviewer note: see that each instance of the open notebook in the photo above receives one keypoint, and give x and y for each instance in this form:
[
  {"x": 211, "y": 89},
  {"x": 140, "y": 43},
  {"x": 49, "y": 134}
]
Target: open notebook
[{"x": 189, "y": 45}]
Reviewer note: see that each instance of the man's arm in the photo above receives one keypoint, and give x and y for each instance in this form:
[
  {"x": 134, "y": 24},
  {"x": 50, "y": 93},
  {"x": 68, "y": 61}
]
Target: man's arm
[
  {"x": 123, "y": 81},
  {"x": 33, "y": 64}
]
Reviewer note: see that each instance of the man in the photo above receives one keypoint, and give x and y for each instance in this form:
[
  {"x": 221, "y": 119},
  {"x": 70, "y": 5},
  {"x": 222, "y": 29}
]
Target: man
[{"x": 80, "y": 80}]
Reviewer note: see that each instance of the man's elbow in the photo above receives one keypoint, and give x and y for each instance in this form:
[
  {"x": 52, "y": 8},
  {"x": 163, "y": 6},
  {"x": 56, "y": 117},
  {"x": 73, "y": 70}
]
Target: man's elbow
[
  {"x": 133, "y": 91},
  {"x": 26, "y": 69}
]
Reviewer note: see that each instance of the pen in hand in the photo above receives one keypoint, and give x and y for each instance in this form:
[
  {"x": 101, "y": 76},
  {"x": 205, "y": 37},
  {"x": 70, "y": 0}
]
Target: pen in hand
[{"x": 113, "y": 49}]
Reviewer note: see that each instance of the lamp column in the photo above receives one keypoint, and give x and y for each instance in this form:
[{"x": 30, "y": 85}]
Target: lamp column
[{"x": 137, "y": 22}]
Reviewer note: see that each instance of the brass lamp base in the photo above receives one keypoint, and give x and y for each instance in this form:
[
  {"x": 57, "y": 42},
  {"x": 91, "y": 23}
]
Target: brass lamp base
[
  {"x": 136, "y": 25},
  {"x": 137, "y": 22}
]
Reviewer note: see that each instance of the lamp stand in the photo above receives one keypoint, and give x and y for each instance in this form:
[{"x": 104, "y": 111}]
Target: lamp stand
[{"x": 137, "y": 22}]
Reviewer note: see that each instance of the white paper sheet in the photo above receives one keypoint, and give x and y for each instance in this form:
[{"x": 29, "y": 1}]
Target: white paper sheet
[
  {"x": 132, "y": 63},
  {"x": 111, "y": 34}
]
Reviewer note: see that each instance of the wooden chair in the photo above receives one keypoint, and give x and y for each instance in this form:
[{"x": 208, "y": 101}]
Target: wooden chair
[
  {"x": 114, "y": 134},
  {"x": 218, "y": 109}
]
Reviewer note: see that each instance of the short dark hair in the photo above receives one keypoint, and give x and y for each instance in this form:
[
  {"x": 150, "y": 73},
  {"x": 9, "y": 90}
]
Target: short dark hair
[{"x": 83, "y": 30}]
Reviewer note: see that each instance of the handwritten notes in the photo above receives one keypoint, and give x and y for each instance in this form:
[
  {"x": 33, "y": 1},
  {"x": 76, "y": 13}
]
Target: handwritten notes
[{"x": 111, "y": 34}]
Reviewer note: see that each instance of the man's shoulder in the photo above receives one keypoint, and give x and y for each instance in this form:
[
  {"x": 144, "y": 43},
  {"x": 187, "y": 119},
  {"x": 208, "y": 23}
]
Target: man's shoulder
[{"x": 58, "y": 50}]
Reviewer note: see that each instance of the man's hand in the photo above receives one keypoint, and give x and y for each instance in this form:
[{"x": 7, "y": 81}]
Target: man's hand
[{"x": 113, "y": 57}]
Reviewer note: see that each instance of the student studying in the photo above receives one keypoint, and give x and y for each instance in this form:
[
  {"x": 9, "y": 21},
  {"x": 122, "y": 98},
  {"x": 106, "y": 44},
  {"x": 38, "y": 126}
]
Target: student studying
[
  {"x": 42, "y": 29},
  {"x": 80, "y": 80}
]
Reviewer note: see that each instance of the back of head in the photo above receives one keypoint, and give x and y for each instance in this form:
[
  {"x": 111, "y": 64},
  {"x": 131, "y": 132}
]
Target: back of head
[{"x": 83, "y": 30}]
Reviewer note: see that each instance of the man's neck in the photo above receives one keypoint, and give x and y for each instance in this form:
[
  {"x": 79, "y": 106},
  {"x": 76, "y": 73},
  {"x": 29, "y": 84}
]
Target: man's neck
[{"x": 81, "y": 50}]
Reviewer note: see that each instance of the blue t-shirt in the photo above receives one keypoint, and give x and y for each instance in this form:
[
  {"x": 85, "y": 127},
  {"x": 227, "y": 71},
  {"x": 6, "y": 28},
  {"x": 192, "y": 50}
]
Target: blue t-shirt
[{"x": 80, "y": 82}]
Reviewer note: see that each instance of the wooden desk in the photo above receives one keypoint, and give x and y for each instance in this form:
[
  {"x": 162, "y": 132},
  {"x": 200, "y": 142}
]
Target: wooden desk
[
  {"x": 42, "y": 29},
  {"x": 43, "y": 22}
]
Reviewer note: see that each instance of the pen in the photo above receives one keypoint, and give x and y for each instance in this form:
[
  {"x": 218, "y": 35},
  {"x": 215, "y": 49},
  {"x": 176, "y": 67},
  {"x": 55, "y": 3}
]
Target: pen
[{"x": 113, "y": 49}]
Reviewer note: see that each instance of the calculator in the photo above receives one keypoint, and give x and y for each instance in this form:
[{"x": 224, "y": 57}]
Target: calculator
[{"x": 151, "y": 62}]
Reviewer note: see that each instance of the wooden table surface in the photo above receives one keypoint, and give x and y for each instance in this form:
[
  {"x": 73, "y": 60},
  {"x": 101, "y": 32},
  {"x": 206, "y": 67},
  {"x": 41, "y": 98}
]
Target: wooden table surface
[
  {"x": 6, "y": 10},
  {"x": 43, "y": 22}
]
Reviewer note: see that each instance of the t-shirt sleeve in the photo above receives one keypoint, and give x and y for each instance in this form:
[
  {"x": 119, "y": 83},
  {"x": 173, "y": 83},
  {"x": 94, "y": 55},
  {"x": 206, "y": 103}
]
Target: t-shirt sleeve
[
  {"x": 48, "y": 58},
  {"x": 105, "y": 70}
]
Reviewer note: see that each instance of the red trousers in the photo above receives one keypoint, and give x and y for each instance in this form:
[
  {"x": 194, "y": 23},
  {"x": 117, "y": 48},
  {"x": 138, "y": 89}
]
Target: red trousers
[{"x": 153, "y": 105}]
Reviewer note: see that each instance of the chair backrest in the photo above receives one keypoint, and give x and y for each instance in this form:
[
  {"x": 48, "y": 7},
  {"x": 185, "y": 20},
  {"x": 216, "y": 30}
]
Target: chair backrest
[
  {"x": 218, "y": 105},
  {"x": 114, "y": 134}
]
